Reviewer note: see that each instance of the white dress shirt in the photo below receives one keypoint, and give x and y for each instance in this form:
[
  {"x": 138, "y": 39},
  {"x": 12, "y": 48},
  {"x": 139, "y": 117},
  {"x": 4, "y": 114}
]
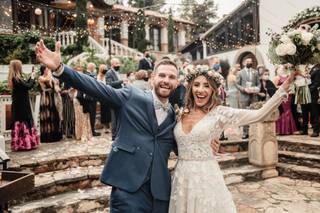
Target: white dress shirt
[{"x": 161, "y": 114}]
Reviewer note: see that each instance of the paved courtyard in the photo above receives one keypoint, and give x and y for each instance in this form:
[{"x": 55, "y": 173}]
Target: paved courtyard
[{"x": 277, "y": 195}]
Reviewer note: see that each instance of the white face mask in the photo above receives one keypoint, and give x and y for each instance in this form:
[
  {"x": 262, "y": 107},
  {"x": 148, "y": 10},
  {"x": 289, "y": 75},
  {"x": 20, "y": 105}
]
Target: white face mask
[{"x": 132, "y": 78}]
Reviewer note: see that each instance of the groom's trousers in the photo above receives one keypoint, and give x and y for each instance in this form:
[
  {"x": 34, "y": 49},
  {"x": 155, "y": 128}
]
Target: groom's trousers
[{"x": 140, "y": 201}]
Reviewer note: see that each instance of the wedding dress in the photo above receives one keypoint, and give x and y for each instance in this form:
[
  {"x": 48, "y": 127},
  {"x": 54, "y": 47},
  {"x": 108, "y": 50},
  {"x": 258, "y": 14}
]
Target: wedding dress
[{"x": 198, "y": 185}]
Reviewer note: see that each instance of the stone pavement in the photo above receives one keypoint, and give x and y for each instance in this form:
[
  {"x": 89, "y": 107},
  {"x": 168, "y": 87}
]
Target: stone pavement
[{"x": 277, "y": 195}]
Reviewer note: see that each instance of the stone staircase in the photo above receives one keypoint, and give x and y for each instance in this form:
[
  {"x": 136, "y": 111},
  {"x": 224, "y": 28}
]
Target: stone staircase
[
  {"x": 67, "y": 173},
  {"x": 299, "y": 157},
  {"x": 102, "y": 48}
]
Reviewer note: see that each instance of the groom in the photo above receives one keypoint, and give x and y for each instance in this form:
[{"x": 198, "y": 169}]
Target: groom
[{"x": 137, "y": 165}]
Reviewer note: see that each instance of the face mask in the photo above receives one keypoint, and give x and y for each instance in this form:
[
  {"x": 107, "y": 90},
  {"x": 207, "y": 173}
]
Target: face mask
[
  {"x": 249, "y": 66},
  {"x": 131, "y": 78},
  {"x": 216, "y": 67},
  {"x": 117, "y": 68},
  {"x": 104, "y": 71},
  {"x": 147, "y": 55}
]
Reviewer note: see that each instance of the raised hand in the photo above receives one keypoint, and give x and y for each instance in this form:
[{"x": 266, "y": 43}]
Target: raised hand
[
  {"x": 290, "y": 79},
  {"x": 45, "y": 56}
]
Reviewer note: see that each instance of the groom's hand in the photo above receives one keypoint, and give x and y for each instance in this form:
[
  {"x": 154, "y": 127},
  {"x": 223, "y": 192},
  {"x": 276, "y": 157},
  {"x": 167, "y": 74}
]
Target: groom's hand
[
  {"x": 45, "y": 56},
  {"x": 215, "y": 144}
]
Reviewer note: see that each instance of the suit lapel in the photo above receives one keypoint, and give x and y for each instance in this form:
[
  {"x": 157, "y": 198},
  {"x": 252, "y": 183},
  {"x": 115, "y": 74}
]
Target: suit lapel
[{"x": 152, "y": 113}]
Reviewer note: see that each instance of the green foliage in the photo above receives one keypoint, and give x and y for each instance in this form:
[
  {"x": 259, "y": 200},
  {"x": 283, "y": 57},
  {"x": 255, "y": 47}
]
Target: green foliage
[
  {"x": 202, "y": 14},
  {"x": 141, "y": 32},
  {"x": 4, "y": 90},
  {"x": 21, "y": 46},
  {"x": 150, "y": 4},
  {"x": 81, "y": 25},
  {"x": 170, "y": 32},
  {"x": 128, "y": 64}
]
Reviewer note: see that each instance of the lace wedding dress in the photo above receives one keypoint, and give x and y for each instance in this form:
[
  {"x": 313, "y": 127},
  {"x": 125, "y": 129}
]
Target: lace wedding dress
[{"x": 198, "y": 185}]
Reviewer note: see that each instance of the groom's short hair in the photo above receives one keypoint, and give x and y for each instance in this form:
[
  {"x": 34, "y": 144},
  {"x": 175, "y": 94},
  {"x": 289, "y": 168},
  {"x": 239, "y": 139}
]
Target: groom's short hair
[{"x": 165, "y": 62}]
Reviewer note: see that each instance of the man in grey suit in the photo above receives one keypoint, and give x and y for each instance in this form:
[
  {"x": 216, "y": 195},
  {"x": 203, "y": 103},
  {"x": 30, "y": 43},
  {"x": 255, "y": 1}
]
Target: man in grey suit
[
  {"x": 137, "y": 166},
  {"x": 248, "y": 83}
]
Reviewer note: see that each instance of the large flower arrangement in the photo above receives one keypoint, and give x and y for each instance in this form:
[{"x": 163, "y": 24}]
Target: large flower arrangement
[{"x": 297, "y": 46}]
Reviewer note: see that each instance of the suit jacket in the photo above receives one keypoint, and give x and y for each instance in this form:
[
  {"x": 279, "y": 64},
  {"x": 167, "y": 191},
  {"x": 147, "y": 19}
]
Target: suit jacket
[
  {"x": 242, "y": 80},
  {"x": 315, "y": 83},
  {"x": 141, "y": 148},
  {"x": 113, "y": 80},
  {"x": 145, "y": 64}
]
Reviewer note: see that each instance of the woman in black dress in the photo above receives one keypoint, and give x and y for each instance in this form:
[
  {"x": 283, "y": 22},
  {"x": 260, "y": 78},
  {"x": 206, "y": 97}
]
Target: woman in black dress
[
  {"x": 23, "y": 132},
  {"x": 50, "y": 107},
  {"x": 267, "y": 87}
]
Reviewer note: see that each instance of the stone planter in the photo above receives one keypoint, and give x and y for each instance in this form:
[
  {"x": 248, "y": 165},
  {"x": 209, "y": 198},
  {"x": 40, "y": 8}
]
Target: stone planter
[{"x": 263, "y": 145}]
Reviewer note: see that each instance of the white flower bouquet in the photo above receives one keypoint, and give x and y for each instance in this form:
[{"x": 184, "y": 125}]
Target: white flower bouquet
[{"x": 297, "y": 46}]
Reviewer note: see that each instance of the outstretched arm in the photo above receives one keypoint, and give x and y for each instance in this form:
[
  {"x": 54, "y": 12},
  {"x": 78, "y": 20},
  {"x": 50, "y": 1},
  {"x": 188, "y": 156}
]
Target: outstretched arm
[
  {"x": 241, "y": 117},
  {"x": 104, "y": 93}
]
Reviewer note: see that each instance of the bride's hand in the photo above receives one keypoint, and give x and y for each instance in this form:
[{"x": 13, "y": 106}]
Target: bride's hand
[
  {"x": 289, "y": 81},
  {"x": 215, "y": 144}
]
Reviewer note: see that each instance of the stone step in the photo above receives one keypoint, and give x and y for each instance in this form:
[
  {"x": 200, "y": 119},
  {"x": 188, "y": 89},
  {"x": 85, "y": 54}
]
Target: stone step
[
  {"x": 79, "y": 201},
  {"x": 242, "y": 173},
  {"x": 96, "y": 199},
  {"x": 298, "y": 172},
  {"x": 61, "y": 155},
  {"x": 234, "y": 145},
  {"x": 299, "y": 158},
  {"x": 57, "y": 182},
  {"x": 299, "y": 143}
]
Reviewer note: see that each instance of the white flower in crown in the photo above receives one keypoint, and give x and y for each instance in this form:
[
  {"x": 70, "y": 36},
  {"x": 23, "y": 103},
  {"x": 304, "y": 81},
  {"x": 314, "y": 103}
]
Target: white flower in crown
[
  {"x": 205, "y": 67},
  {"x": 192, "y": 71},
  {"x": 210, "y": 73}
]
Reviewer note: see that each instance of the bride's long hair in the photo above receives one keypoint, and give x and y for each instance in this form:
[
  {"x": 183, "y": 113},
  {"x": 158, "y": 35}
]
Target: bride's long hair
[{"x": 212, "y": 102}]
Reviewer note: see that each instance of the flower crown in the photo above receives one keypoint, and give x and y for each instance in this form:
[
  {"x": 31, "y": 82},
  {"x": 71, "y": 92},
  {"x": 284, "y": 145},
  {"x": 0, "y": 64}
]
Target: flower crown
[{"x": 194, "y": 72}]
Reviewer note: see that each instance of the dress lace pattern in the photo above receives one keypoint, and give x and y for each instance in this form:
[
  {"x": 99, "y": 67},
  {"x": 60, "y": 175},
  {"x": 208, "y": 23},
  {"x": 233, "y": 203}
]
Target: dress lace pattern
[{"x": 198, "y": 185}]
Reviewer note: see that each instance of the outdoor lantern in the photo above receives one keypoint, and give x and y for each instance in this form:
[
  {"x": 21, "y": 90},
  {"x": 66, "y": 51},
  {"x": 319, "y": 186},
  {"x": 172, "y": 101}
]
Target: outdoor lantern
[
  {"x": 38, "y": 11},
  {"x": 90, "y": 21}
]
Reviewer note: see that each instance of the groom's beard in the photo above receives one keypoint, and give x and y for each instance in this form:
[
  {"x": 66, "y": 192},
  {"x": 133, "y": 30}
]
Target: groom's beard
[{"x": 163, "y": 93}]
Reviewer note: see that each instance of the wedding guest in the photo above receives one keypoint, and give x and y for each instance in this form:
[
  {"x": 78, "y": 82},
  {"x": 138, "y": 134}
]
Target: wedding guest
[
  {"x": 82, "y": 119},
  {"x": 130, "y": 78},
  {"x": 105, "y": 113},
  {"x": 267, "y": 87},
  {"x": 232, "y": 91},
  {"x": 315, "y": 99},
  {"x": 285, "y": 124},
  {"x": 90, "y": 104},
  {"x": 140, "y": 81},
  {"x": 248, "y": 84},
  {"x": 24, "y": 135},
  {"x": 50, "y": 107},
  {"x": 146, "y": 62},
  {"x": 177, "y": 98},
  {"x": 68, "y": 121},
  {"x": 260, "y": 69},
  {"x": 113, "y": 79}
]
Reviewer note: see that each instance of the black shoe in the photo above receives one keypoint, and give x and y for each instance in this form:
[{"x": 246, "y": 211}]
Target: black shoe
[
  {"x": 245, "y": 136},
  {"x": 315, "y": 134},
  {"x": 303, "y": 133},
  {"x": 94, "y": 134}
]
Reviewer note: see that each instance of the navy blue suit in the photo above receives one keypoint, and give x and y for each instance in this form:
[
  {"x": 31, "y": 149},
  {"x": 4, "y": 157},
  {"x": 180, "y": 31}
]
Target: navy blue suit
[{"x": 137, "y": 164}]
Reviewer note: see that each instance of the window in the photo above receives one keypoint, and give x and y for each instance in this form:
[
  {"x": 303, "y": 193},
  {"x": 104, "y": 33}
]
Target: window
[{"x": 155, "y": 38}]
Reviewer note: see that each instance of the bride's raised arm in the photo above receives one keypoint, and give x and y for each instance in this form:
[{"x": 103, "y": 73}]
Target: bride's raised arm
[{"x": 241, "y": 117}]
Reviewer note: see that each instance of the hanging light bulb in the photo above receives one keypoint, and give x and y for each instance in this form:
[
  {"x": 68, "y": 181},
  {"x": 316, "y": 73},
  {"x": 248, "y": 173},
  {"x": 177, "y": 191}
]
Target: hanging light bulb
[{"x": 38, "y": 11}]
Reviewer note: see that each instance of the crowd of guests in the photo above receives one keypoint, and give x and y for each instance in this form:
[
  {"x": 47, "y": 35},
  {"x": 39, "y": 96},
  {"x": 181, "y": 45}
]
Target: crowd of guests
[{"x": 66, "y": 112}]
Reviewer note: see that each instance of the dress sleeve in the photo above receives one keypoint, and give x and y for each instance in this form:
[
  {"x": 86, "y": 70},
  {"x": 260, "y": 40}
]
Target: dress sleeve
[{"x": 241, "y": 117}]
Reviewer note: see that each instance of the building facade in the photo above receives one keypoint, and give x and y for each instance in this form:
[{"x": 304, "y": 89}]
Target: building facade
[{"x": 244, "y": 32}]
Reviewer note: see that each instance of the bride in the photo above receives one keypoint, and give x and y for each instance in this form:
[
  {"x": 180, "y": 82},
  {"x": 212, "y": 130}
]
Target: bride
[{"x": 198, "y": 185}]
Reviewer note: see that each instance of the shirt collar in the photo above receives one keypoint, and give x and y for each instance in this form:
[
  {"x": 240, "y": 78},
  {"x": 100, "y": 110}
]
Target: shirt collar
[{"x": 155, "y": 98}]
